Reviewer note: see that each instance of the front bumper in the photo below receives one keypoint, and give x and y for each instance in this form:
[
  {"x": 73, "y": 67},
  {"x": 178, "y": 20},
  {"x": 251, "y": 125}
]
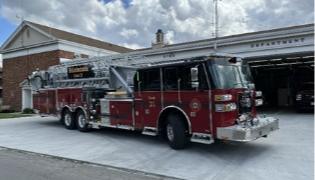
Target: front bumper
[{"x": 245, "y": 134}]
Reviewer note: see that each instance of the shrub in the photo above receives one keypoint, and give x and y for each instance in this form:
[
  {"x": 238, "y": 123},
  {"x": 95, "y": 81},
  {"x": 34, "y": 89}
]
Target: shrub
[
  {"x": 7, "y": 111},
  {"x": 28, "y": 111}
]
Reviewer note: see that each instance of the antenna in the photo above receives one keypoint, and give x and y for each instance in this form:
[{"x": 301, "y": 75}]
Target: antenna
[{"x": 21, "y": 17}]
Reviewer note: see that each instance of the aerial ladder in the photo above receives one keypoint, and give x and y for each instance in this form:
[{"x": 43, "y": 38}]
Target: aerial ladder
[{"x": 110, "y": 72}]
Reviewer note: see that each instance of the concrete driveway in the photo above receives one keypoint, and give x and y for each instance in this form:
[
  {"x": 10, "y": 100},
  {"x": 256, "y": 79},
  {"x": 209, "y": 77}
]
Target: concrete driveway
[{"x": 286, "y": 154}]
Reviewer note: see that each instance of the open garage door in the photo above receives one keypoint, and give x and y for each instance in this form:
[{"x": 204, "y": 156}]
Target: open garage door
[{"x": 279, "y": 77}]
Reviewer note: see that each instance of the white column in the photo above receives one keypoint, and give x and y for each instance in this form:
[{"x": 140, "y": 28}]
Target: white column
[{"x": 27, "y": 98}]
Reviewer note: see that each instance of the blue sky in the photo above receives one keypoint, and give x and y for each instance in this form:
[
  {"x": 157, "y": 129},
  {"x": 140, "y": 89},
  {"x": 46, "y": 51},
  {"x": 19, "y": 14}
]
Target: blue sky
[
  {"x": 125, "y": 2},
  {"x": 6, "y": 29}
]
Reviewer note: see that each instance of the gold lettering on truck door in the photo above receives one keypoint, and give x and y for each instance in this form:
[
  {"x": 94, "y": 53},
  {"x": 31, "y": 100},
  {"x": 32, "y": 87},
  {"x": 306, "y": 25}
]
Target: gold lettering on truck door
[{"x": 151, "y": 103}]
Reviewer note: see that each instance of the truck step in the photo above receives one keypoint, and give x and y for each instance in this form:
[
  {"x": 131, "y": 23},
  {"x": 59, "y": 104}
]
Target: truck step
[
  {"x": 117, "y": 126},
  {"x": 151, "y": 131},
  {"x": 94, "y": 125},
  {"x": 202, "y": 138},
  {"x": 126, "y": 127}
]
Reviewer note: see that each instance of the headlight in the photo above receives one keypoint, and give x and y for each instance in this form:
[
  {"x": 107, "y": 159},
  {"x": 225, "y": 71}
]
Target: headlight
[
  {"x": 298, "y": 97},
  {"x": 225, "y": 107},
  {"x": 224, "y": 97},
  {"x": 258, "y": 94},
  {"x": 258, "y": 102}
]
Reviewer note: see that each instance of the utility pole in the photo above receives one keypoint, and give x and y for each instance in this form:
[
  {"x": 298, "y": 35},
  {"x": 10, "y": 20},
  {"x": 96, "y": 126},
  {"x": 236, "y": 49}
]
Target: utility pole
[
  {"x": 216, "y": 24},
  {"x": 216, "y": 19}
]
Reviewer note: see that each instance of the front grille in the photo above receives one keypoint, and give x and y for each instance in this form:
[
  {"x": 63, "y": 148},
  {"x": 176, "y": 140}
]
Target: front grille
[{"x": 239, "y": 135}]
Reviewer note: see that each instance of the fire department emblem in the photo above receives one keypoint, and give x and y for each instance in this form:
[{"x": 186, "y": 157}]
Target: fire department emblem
[{"x": 195, "y": 105}]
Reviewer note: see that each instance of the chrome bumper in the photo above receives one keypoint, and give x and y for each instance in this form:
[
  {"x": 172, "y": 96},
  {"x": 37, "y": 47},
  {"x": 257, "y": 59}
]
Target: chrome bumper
[{"x": 241, "y": 134}]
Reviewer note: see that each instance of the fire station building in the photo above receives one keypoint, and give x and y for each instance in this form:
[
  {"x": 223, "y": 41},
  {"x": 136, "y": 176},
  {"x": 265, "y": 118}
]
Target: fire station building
[{"x": 280, "y": 59}]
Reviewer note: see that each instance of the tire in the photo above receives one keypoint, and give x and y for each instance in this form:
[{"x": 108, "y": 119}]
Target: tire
[
  {"x": 68, "y": 120},
  {"x": 81, "y": 122},
  {"x": 176, "y": 132}
]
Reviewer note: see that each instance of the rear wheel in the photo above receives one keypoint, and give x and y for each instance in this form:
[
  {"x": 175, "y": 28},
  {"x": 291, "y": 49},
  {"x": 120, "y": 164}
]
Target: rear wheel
[
  {"x": 68, "y": 120},
  {"x": 176, "y": 132},
  {"x": 82, "y": 122}
]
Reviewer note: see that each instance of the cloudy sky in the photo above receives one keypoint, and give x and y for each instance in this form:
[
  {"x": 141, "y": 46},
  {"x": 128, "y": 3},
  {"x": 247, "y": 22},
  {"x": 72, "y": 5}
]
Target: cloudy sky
[{"x": 133, "y": 23}]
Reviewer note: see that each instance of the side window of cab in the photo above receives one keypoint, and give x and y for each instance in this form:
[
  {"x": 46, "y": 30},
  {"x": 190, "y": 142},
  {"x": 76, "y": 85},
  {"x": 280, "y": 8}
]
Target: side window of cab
[
  {"x": 149, "y": 80},
  {"x": 171, "y": 78}
]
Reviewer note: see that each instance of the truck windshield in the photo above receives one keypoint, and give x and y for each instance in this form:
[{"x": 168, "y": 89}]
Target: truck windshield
[{"x": 231, "y": 76}]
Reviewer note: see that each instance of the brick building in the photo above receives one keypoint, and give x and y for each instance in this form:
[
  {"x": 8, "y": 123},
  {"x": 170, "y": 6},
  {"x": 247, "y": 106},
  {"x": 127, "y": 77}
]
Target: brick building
[{"x": 34, "y": 46}]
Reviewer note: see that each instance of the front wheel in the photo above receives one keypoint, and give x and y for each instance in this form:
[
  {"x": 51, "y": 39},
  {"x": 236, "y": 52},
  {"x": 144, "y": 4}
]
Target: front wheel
[
  {"x": 176, "y": 132},
  {"x": 68, "y": 120},
  {"x": 81, "y": 121}
]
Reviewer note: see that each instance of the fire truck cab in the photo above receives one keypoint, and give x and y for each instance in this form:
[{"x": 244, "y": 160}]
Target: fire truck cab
[{"x": 197, "y": 99}]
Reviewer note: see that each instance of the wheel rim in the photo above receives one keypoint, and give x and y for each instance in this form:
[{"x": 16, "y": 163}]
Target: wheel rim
[
  {"x": 68, "y": 119},
  {"x": 170, "y": 132},
  {"x": 81, "y": 120}
]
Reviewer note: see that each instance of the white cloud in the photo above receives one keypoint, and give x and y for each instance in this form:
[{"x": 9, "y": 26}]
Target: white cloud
[
  {"x": 169, "y": 37},
  {"x": 181, "y": 20},
  {"x": 132, "y": 46},
  {"x": 129, "y": 33}
]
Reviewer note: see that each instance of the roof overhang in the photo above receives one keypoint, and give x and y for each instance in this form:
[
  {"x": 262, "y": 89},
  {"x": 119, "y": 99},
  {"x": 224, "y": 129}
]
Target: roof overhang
[{"x": 29, "y": 47}]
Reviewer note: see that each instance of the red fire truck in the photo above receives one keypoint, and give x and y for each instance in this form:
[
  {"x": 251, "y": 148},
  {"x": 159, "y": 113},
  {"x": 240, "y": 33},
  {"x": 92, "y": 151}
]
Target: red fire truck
[{"x": 198, "y": 99}]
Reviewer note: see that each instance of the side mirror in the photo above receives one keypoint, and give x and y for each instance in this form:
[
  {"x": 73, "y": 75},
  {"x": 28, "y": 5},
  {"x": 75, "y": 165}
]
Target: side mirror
[
  {"x": 194, "y": 77},
  {"x": 194, "y": 84}
]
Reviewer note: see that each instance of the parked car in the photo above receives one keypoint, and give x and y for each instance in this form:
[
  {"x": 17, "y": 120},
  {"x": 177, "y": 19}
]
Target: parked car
[{"x": 305, "y": 97}]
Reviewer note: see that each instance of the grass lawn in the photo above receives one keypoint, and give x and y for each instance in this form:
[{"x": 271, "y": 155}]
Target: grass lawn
[{"x": 13, "y": 115}]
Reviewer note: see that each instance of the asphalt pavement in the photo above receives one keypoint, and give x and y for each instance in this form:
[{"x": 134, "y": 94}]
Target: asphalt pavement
[
  {"x": 21, "y": 165},
  {"x": 286, "y": 154}
]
